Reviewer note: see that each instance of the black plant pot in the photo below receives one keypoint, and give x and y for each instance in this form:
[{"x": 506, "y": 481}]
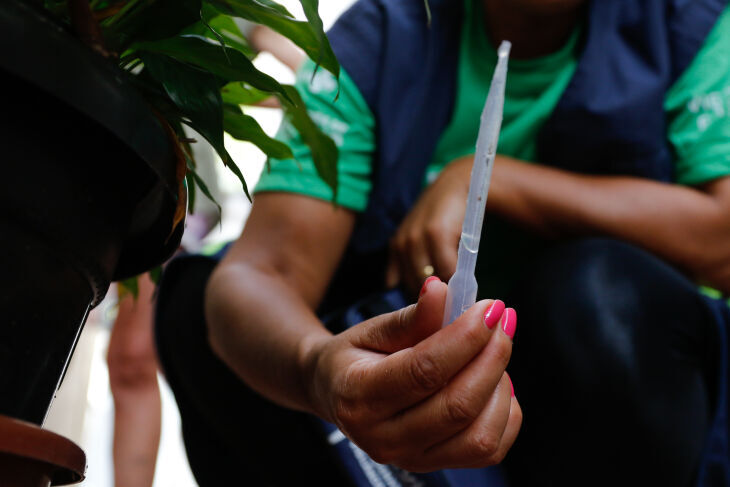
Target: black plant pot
[{"x": 88, "y": 192}]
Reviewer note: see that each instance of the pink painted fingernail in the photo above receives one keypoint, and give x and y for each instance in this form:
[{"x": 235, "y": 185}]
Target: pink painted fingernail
[
  {"x": 509, "y": 322},
  {"x": 512, "y": 387},
  {"x": 493, "y": 313},
  {"x": 425, "y": 285}
]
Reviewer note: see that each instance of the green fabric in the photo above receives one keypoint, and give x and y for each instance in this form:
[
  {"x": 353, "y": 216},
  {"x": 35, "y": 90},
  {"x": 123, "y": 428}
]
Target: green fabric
[
  {"x": 698, "y": 109},
  {"x": 533, "y": 89},
  {"x": 351, "y": 125},
  {"x": 697, "y": 105}
]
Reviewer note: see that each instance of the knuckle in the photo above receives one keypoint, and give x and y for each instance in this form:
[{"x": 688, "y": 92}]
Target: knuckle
[
  {"x": 347, "y": 408},
  {"x": 435, "y": 231},
  {"x": 383, "y": 454},
  {"x": 459, "y": 410},
  {"x": 345, "y": 413},
  {"x": 476, "y": 333},
  {"x": 502, "y": 353},
  {"x": 413, "y": 238},
  {"x": 426, "y": 373},
  {"x": 484, "y": 446}
]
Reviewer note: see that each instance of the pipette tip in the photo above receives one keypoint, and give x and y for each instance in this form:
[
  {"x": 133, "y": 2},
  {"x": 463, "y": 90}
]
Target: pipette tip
[{"x": 504, "y": 49}]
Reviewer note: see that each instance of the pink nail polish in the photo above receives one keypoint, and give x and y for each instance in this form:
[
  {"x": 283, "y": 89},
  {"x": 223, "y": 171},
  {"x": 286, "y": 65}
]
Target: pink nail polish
[
  {"x": 509, "y": 322},
  {"x": 493, "y": 313},
  {"x": 512, "y": 387},
  {"x": 425, "y": 285}
]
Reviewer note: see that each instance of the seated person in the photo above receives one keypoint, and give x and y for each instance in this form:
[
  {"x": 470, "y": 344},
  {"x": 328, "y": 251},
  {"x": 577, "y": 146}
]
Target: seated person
[{"x": 610, "y": 199}]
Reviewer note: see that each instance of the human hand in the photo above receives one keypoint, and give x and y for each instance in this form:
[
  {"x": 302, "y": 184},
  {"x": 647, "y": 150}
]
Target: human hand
[
  {"x": 428, "y": 238},
  {"x": 417, "y": 396}
]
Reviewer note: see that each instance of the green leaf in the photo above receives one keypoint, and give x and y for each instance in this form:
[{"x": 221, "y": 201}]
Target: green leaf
[
  {"x": 324, "y": 150},
  {"x": 192, "y": 193},
  {"x": 245, "y": 127},
  {"x": 224, "y": 62},
  {"x": 197, "y": 94},
  {"x": 308, "y": 37},
  {"x": 156, "y": 275},
  {"x": 278, "y": 7},
  {"x": 198, "y": 181},
  {"x": 220, "y": 28},
  {"x": 150, "y": 21},
  {"x": 311, "y": 11},
  {"x": 130, "y": 286},
  {"x": 237, "y": 93}
]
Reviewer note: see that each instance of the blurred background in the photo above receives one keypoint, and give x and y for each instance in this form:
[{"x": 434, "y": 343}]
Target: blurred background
[{"x": 83, "y": 409}]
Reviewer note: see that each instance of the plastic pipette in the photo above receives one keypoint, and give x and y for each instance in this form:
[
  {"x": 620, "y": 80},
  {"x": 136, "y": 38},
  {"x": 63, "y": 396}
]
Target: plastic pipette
[{"x": 462, "y": 291}]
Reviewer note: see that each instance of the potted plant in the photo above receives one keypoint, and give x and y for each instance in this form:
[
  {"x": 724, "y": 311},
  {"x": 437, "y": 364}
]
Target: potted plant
[{"x": 97, "y": 166}]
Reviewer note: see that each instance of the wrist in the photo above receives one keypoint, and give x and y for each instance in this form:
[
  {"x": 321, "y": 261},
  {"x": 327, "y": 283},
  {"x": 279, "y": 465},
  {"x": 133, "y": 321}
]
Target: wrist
[
  {"x": 458, "y": 173},
  {"x": 310, "y": 353}
]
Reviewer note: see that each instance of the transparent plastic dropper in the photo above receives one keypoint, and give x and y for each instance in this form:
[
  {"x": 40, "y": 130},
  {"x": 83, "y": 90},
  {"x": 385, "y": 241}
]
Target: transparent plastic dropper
[{"x": 462, "y": 292}]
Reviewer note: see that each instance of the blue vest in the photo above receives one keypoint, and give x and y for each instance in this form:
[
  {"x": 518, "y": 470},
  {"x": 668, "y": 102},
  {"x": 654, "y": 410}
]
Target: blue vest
[{"x": 610, "y": 120}]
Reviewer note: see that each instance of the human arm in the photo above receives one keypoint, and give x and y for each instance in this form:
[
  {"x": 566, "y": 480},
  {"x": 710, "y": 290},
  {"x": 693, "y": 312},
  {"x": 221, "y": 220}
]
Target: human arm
[
  {"x": 687, "y": 226},
  {"x": 405, "y": 390}
]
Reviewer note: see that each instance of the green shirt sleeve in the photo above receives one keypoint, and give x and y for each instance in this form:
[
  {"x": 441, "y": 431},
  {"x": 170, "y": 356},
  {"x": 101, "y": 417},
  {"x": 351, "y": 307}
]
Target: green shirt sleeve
[
  {"x": 347, "y": 119},
  {"x": 698, "y": 109}
]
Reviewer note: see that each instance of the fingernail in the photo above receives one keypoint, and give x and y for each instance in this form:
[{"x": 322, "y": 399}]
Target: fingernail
[
  {"x": 493, "y": 313},
  {"x": 509, "y": 322},
  {"x": 425, "y": 285},
  {"x": 512, "y": 387}
]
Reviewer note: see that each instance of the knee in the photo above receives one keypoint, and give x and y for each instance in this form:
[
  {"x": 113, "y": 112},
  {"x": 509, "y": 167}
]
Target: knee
[
  {"x": 132, "y": 364},
  {"x": 579, "y": 284},
  {"x": 589, "y": 299}
]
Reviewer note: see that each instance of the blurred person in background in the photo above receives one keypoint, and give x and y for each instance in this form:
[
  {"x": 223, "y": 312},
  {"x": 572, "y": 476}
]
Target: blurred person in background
[{"x": 131, "y": 356}]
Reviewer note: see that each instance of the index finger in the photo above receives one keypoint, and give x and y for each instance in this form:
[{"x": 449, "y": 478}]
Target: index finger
[{"x": 413, "y": 374}]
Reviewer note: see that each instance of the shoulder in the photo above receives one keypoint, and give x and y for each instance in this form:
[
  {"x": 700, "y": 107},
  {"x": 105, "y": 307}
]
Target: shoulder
[{"x": 366, "y": 35}]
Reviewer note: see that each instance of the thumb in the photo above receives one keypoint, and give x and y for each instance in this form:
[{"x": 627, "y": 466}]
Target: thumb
[{"x": 408, "y": 326}]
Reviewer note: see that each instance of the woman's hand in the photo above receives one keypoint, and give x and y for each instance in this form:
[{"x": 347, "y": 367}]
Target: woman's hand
[
  {"x": 428, "y": 238},
  {"x": 417, "y": 396}
]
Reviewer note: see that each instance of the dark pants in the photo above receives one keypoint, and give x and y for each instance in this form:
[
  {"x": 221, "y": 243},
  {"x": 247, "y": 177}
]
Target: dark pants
[
  {"x": 613, "y": 365},
  {"x": 233, "y": 437}
]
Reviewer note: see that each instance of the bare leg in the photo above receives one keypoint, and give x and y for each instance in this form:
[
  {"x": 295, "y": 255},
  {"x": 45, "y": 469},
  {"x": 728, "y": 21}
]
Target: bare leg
[{"x": 133, "y": 380}]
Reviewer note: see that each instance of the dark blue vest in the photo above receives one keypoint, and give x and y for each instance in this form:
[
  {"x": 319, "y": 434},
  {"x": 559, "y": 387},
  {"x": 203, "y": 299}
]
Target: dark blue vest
[{"x": 610, "y": 119}]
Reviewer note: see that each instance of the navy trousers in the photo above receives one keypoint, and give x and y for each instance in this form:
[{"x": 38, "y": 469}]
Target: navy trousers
[{"x": 616, "y": 366}]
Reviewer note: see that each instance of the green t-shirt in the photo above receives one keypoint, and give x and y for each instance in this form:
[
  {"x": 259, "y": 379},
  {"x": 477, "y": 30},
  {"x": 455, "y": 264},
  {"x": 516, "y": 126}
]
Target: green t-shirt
[{"x": 697, "y": 106}]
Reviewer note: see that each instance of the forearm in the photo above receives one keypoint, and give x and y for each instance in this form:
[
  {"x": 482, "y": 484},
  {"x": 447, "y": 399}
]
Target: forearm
[
  {"x": 686, "y": 226},
  {"x": 263, "y": 329}
]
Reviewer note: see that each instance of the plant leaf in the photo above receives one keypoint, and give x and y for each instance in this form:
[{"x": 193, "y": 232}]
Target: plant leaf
[
  {"x": 278, "y": 7},
  {"x": 237, "y": 93},
  {"x": 192, "y": 194},
  {"x": 156, "y": 275},
  {"x": 244, "y": 127},
  {"x": 224, "y": 62},
  {"x": 196, "y": 180},
  {"x": 220, "y": 28},
  {"x": 311, "y": 11},
  {"x": 130, "y": 286},
  {"x": 150, "y": 21},
  {"x": 324, "y": 150},
  {"x": 309, "y": 38},
  {"x": 197, "y": 94}
]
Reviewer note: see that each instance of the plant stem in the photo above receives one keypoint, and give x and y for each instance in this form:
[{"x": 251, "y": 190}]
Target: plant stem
[
  {"x": 126, "y": 8},
  {"x": 86, "y": 26}
]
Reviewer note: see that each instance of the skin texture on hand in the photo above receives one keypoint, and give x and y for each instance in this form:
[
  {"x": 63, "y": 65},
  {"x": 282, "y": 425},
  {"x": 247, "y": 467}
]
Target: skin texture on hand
[
  {"x": 403, "y": 389},
  {"x": 417, "y": 396},
  {"x": 429, "y": 235},
  {"x": 687, "y": 226}
]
